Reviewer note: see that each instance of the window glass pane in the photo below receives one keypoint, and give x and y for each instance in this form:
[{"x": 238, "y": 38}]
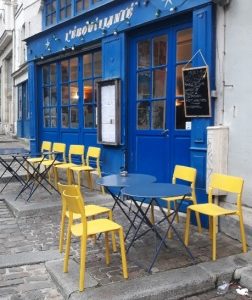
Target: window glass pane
[
  {"x": 64, "y": 71},
  {"x": 86, "y": 4},
  {"x": 64, "y": 94},
  {"x": 79, "y": 5},
  {"x": 158, "y": 115},
  {"x": 74, "y": 117},
  {"x": 68, "y": 11},
  {"x": 74, "y": 68},
  {"x": 97, "y": 64},
  {"x": 53, "y": 117},
  {"x": 143, "y": 54},
  {"x": 181, "y": 120},
  {"x": 143, "y": 115},
  {"x": 46, "y": 98},
  {"x": 53, "y": 73},
  {"x": 74, "y": 92},
  {"x": 53, "y": 20},
  {"x": 62, "y": 14},
  {"x": 53, "y": 96},
  {"x": 159, "y": 83},
  {"x": 64, "y": 117},
  {"x": 88, "y": 116},
  {"x": 87, "y": 91},
  {"x": 160, "y": 50},
  {"x": 87, "y": 65},
  {"x": 46, "y": 76},
  {"x": 47, "y": 117},
  {"x": 144, "y": 85},
  {"x": 184, "y": 45},
  {"x": 179, "y": 80}
]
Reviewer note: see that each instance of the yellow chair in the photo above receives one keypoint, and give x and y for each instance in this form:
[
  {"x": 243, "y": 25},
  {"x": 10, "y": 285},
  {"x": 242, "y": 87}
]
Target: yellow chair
[
  {"x": 45, "y": 147},
  {"x": 186, "y": 174},
  {"x": 93, "y": 155},
  {"x": 86, "y": 229},
  {"x": 74, "y": 151},
  {"x": 57, "y": 149},
  {"x": 225, "y": 183},
  {"x": 90, "y": 210}
]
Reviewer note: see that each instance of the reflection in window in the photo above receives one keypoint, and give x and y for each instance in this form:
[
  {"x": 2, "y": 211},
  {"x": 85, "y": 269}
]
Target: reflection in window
[
  {"x": 82, "y": 5},
  {"x": 184, "y": 45},
  {"x": 159, "y": 83},
  {"x": 64, "y": 71},
  {"x": 158, "y": 117},
  {"x": 87, "y": 91},
  {"x": 87, "y": 65},
  {"x": 160, "y": 50},
  {"x": 74, "y": 68},
  {"x": 144, "y": 54},
  {"x": 143, "y": 112},
  {"x": 144, "y": 85},
  {"x": 64, "y": 117},
  {"x": 88, "y": 116},
  {"x": 74, "y": 94},
  {"x": 65, "y": 7},
  {"x": 50, "y": 12},
  {"x": 97, "y": 63},
  {"x": 64, "y": 94},
  {"x": 74, "y": 117}
]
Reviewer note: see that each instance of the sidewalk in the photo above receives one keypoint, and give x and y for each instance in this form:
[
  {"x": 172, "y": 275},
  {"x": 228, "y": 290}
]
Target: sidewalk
[{"x": 31, "y": 266}]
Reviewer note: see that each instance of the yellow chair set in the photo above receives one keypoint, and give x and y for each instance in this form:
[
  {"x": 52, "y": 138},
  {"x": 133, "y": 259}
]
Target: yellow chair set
[
  {"x": 73, "y": 208},
  {"x": 221, "y": 182},
  {"x": 90, "y": 165}
]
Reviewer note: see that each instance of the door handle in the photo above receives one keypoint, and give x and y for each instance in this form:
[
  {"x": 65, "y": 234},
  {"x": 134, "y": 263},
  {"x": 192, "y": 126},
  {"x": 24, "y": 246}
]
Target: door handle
[{"x": 165, "y": 131}]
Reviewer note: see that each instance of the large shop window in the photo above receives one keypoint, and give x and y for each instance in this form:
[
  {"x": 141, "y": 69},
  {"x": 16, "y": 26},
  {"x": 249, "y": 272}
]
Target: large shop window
[
  {"x": 151, "y": 83},
  {"x": 68, "y": 92},
  {"x": 49, "y": 96},
  {"x": 183, "y": 55}
]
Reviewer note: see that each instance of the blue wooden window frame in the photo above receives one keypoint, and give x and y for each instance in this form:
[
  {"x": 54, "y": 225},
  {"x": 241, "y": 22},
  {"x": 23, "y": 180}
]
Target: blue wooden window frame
[
  {"x": 65, "y": 9},
  {"x": 91, "y": 79},
  {"x": 50, "y": 14}
]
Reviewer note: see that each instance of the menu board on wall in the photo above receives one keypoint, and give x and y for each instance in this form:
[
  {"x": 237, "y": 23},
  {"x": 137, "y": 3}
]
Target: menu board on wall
[
  {"x": 109, "y": 112},
  {"x": 197, "y": 92}
]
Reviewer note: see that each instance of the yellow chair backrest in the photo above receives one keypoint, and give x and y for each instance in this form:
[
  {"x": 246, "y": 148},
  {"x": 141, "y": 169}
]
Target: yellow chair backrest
[
  {"x": 94, "y": 153},
  {"x": 227, "y": 183},
  {"x": 61, "y": 149},
  {"x": 46, "y": 146},
  {"x": 184, "y": 173},
  {"x": 75, "y": 205},
  {"x": 69, "y": 188},
  {"x": 76, "y": 150}
]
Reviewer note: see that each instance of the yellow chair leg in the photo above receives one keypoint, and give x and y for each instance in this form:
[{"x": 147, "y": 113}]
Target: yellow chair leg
[
  {"x": 177, "y": 215},
  {"x": 68, "y": 175},
  {"x": 113, "y": 233},
  {"x": 210, "y": 227},
  {"x": 243, "y": 235},
  {"x": 152, "y": 214},
  {"x": 68, "y": 242},
  {"x": 123, "y": 254},
  {"x": 198, "y": 222},
  {"x": 214, "y": 220},
  {"x": 107, "y": 248},
  {"x": 89, "y": 179},
  {"x": 93, "y": 218},
  {"x": 187, "y": 226},
  {"x": 62, "y": 227},
  {"x": 56, "y": 177},
  {"x": 82, "y": 262},
  {"x": 79, "y": 179}
]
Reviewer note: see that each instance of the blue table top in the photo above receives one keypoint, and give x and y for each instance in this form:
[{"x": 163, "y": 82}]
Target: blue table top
[
  {"x": 156, "y": 190},
  {"x": 117, "y": 180},
  {"x": 13, "y": 151}
]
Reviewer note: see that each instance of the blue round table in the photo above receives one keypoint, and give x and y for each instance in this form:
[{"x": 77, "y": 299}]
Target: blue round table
[{"x": 152, "y": 191}]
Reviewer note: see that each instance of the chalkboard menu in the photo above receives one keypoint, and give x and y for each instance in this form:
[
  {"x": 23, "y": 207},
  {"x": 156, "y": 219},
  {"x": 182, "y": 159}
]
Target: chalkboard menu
[{"x": 196, "y": 92}]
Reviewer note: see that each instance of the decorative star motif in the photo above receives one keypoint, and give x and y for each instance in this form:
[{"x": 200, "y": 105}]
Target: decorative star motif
[
  {"x": 47, "y": 44},
  {"x": 167, "y": 1}
]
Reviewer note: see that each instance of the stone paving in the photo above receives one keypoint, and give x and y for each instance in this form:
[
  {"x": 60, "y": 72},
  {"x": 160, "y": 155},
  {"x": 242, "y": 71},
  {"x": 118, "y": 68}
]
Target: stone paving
[{"x": 39, "y": 232}]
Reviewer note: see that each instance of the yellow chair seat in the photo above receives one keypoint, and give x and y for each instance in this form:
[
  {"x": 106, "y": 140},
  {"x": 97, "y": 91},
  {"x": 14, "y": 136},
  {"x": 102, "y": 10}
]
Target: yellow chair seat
[
  {"x": 91, "y": 210},
  {"x": 211, "y": 209},
  {"x": 35, "y": 159},
  {"x": 65, "y": 165},
  {"x": 176, "y": 198},
  {"x": 82, "y": 168},
  {"x": 50, "y": 161},
  {"x": 95, "y": 227}
]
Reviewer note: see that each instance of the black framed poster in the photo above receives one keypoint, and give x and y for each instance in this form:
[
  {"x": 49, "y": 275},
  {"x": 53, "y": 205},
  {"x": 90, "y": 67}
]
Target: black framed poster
[
  {"x": 197, "y": 92},
  {"x": 109, "y": 111}
]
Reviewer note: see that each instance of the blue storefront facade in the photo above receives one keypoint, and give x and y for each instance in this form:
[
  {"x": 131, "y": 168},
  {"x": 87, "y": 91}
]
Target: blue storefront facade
[{"x": 145, "y": 44}]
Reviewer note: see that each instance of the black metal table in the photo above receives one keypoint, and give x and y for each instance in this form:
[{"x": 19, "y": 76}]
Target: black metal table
[
  {"x": 36, "y": 177},
  {"x": 152, "y": 192}
]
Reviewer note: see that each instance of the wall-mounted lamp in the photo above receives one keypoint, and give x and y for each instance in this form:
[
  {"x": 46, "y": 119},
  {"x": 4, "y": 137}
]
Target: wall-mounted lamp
[
  {"x": 104, "y": 31},
  {"x": 73, "y": 47},
  {"x": 64, "y": 48},
  {"x": 115, "y": 32},
  {"x": 172, "y": 9},
  {"x": 42, "y": 56},
  {"x": 158, "y": 13},
  {"x": 55, "y": 37}
]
